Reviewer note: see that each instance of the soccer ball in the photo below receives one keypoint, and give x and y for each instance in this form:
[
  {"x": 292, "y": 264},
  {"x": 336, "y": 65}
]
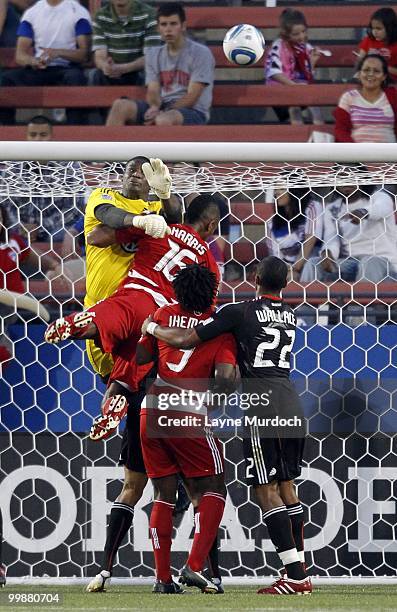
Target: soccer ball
[{"x": 243, "y": 44}]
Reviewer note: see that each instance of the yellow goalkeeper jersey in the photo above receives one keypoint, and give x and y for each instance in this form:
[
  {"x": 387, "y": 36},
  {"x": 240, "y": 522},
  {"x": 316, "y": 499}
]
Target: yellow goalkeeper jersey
[{"x": 108, "y": 266}]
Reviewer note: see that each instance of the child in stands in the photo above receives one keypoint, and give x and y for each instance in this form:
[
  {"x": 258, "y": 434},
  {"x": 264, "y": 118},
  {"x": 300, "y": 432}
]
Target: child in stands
[
  {"x": 382, "y": 38},
  {"x": 291, "y": 61}
]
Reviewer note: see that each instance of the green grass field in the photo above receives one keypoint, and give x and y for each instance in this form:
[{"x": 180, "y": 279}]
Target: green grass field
[{"x": 325, "y": 598}]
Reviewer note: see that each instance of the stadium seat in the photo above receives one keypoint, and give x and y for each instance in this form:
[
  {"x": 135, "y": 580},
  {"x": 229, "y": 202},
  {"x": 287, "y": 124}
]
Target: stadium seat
[{"x": 189, "y": 133}]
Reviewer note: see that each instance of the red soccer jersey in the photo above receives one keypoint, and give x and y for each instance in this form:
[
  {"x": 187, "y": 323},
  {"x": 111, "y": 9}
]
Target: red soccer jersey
[
  {"x": 12, "y": 254},
  {"x": 192, "y": 364},
  {"x": 389, "y": 52},
  {"x": 158, "y": 259},
  {"x": 168, "y": 447}
]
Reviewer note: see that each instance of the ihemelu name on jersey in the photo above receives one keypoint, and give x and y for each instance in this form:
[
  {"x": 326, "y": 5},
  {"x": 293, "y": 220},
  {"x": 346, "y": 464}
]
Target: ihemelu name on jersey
[
  {"x": 267, "y": 315},
  {"x": 182, "y": 321},
  {"x": 189, "y": 239}
]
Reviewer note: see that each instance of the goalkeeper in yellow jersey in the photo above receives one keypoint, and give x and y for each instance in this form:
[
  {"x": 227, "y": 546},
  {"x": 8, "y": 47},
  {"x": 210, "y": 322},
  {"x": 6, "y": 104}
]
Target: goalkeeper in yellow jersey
[{"x": 106, "y": 267}]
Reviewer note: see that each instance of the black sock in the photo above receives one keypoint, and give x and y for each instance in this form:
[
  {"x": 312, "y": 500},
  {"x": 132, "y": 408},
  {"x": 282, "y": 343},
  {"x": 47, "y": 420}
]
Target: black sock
[
  {"x": 280, "y": 532},
  {"x": 296, "y": 516},
  {"x": 212, "y": 559},
  {"x": 119, "y": 524}
]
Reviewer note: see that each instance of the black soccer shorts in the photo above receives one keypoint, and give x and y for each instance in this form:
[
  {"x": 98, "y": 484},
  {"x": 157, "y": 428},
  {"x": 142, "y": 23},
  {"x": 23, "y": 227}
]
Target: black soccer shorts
[
  {"x": 274, "y": 450},
  {"x": 131, "y": 449},
  {"x": 268, "y": 459}
]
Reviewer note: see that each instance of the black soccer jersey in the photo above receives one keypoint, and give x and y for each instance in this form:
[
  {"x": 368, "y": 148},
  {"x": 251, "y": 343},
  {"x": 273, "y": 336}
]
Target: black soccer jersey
[{"x": 264, "y": 329}]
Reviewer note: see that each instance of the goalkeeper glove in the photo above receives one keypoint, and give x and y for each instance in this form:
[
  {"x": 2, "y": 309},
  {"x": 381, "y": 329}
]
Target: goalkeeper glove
[
  {"x": 158, "y": 177},
  {"x": 153, "y": 225}
]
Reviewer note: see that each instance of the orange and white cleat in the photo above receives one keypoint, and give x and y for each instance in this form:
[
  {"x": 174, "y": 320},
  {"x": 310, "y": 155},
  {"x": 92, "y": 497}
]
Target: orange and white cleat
[
  {"x": 65, "y": 327},
  {"x": 113, "y": 411},
  {"x": 287, "y": 586}
]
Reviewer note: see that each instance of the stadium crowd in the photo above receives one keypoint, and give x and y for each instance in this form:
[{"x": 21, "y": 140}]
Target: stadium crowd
[{"x": 58, "y": 42}]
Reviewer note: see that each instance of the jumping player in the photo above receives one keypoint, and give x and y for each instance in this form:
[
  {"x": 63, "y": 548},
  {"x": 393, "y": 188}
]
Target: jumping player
[
  {"x": 192, "y": 451},
  {"x": 264, "y": 329},
  {"x": 106, "y": 267}
]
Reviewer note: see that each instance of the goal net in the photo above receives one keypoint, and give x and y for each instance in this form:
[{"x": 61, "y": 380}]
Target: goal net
[{"x": 331, "y": 217}]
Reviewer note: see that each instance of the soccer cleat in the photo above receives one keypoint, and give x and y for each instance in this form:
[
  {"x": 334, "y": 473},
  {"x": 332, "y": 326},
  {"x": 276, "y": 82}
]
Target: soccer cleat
[
  {"x": 72, "y": 325},
  {"x": 197, "y": 579},
  {"x": 216, "y": 581},
  {"x": 99, "y": 583},
  {"x": 167, "y": 588},
  {"x": 113, "y": 411},
  {"x": 3, "y": 573},
  {"x": 287, "y": 586}
]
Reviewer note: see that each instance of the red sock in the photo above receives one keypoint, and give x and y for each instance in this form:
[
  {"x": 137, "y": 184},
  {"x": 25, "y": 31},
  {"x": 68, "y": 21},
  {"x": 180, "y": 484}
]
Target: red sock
[
  {"x": 161, "y": 532},
  {"x": 207, "y": 519}
]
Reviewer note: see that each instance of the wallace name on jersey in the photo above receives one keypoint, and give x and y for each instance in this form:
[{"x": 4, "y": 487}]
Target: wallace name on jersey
[{"x": 279, "y": 317}]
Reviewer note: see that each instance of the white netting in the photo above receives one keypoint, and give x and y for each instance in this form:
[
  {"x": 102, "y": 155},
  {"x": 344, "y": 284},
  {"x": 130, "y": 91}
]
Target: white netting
[
  {"x": 57, "y": 486},
  {"x": 70, "y": 178}
]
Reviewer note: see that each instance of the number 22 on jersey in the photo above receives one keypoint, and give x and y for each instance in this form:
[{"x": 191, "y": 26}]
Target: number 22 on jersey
[{"x": 273, "y": 344}]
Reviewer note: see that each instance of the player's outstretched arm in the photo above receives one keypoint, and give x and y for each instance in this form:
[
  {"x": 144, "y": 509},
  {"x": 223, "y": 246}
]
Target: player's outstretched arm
[
  {"x": 115, "y": 218},
  {"x": 159, "y": 179},
  {"x": 174, "y": 336}
]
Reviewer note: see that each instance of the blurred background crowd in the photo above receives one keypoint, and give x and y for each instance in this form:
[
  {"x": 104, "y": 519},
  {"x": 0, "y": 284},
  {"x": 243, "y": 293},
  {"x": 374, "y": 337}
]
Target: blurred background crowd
[{"x": 181, "y": 69}]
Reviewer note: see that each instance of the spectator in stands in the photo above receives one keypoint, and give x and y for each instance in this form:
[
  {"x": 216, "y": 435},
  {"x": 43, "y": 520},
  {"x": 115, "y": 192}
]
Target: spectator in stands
[
  {"x": 291, "y": 61},
  {"x": 53, "y": 43},
  {"x": 47, "y": 217},
  {"x": 10, "y": 14},
  {"x": 382, "y": 38},
  {"x": 294, "y": 233},
  {"x": 360, "y": 238},
  {"x": 39, "y": 128},
  {"x": 179, "y": 78},
  {"x": 368, "y": 114},
  {"x": 14, "y": 252},
  {"x": 122, "y": 31}
]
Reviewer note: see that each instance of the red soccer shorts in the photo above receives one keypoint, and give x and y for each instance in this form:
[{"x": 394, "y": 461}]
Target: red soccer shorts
[
  {"x": 193, "y": 456},
  {"x": 119, "y": 320},
  {"x": 120, "y": 316}
]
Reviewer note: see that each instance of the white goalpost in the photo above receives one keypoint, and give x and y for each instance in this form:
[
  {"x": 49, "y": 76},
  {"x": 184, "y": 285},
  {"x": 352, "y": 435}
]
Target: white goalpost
[
  {"x": 202, "y": 151},
  {"x": 57, "y": 486}
]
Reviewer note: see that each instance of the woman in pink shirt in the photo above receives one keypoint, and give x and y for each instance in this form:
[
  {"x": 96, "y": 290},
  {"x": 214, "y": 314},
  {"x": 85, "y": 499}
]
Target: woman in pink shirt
[{"x": 369, "y": 113}]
